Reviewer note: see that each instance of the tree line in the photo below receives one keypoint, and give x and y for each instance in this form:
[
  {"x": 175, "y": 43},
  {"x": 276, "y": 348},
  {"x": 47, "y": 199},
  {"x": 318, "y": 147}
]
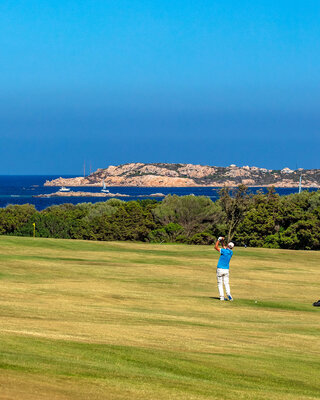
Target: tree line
[{"x": 258, "y": 220}]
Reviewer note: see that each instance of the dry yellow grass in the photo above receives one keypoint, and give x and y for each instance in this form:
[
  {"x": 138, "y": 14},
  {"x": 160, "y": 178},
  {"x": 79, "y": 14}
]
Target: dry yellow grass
[{"x": 88, "y": 320}]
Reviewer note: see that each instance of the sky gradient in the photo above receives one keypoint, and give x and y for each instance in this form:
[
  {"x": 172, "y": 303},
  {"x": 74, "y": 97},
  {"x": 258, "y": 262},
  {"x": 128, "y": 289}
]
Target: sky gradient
[{"x": 109, "y": 82}]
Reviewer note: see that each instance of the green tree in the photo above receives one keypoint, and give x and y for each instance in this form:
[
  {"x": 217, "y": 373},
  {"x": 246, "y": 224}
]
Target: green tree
[
  {"x": 64, "y": 221},
  {"x": 260, "y": 221},
  {"x": 133, "y": 220},
  {"x": 168, "y": 233},
  {"x": 234, "y": 205},
  {"x": 14, "y": 217},
  {"x": 194, "y": 213},
  {"x": 303, "y": 234}
]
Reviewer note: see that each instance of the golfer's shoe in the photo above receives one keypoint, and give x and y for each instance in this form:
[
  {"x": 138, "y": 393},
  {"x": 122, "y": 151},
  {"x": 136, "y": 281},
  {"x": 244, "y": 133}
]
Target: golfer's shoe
[
  {"x": 230, "y": 298},
  {"x": 317, "y": 303},
  {"x": 221, "y": 298}
]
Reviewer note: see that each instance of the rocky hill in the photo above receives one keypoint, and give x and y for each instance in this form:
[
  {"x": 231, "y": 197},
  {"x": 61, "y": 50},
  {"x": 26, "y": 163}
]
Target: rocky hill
[{"x": 179, "y": 175}]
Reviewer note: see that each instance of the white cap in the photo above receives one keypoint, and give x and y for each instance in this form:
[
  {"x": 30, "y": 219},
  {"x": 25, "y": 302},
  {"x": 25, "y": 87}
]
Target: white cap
[{"x": 231, "y": 245}]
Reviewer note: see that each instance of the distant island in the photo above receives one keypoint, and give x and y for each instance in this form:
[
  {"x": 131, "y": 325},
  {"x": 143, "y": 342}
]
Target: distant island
[
  {"x": 188, "y": 175},
  {"x": 93, "y": 194}
]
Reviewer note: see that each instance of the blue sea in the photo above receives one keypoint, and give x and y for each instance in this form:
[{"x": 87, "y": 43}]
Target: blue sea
[{"x": 21, "y": 189}]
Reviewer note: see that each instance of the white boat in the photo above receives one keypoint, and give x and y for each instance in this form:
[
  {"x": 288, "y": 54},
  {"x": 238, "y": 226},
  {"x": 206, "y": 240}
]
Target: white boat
[
  {"x": 300, "y": 186},
  {"x": 64, "y": 189},
  {"x": 104, "y": 188}
]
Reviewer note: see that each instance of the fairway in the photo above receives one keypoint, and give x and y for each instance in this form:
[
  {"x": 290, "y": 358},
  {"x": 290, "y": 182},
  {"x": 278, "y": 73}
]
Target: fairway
[{"x": 96, "y": 320}]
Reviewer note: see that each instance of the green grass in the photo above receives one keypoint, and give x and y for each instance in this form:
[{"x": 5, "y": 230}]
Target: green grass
[{"x": 93, "y": 320}]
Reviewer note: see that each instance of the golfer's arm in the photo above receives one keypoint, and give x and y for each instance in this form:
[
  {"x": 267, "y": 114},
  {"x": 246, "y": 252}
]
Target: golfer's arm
[{"x": 216, "y": 246}]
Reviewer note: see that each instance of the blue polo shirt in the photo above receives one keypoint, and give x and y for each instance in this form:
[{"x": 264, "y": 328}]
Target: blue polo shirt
[{"x": 225, "y": 257}]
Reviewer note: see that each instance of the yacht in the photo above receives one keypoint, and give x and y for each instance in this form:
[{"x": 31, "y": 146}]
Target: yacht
[{"x": 64, "y": 189}]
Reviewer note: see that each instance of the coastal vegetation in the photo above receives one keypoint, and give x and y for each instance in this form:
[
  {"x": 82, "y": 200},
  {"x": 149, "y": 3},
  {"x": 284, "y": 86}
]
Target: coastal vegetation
[
  {"x": 259, "y": 220},
  {"x": 120, "y": 320}
]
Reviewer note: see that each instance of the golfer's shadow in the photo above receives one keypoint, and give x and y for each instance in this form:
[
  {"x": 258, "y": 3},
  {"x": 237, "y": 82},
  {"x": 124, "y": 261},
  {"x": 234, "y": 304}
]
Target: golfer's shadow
[{"x": 214, "y": 298}]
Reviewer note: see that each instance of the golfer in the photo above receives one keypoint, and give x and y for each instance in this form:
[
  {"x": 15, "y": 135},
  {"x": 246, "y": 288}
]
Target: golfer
[{"x": 223, "y": 267}]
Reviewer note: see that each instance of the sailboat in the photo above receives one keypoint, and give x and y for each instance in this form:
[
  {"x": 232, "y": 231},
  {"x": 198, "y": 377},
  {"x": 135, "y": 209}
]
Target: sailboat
[
  {"x": 300, "y": 185},
  {"x": 104, "y": 188}
]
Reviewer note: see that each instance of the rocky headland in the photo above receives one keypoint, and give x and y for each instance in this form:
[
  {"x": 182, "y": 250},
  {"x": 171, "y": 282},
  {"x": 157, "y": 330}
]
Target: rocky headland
[
  {"x": 184, "y": 175},
  {"x": 94, "y": 194},
  {"x": 81, "y": 194}
]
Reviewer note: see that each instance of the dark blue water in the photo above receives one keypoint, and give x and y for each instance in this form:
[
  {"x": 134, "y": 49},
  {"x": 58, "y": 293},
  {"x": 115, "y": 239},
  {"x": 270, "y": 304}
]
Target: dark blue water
[{"x": 21, "y": 189}]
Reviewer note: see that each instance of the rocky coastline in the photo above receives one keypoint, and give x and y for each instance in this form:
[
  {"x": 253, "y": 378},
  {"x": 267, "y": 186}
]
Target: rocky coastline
[
  {"x": 93, "y": 194},
  {"x": 81, "y": 194},
  {"x": 190, "y": 175}
]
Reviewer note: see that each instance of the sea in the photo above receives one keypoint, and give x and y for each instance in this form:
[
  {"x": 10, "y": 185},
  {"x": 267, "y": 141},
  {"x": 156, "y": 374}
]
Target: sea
[{"x": 21, "y": 189}]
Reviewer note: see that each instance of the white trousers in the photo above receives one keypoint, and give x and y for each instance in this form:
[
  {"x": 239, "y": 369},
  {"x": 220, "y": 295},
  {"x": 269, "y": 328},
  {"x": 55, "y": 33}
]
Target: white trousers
[{"x": 223, "y": 278}]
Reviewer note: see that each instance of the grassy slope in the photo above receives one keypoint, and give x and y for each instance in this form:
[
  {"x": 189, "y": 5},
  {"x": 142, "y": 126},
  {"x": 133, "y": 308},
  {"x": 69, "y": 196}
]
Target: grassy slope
[{"x": 84, "y": 320}]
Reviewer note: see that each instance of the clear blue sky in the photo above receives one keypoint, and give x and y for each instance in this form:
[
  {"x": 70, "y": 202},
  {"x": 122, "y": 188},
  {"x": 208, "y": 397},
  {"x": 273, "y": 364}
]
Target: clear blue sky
[{"x": 113, "y": 81}]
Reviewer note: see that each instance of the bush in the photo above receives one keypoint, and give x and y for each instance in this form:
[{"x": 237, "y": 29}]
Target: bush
[
  {"x": 202, "y": 238},
  {"x": 168, "y": 233},
  {"x": 194, "y": 214},
  {"x": 14, "y": 217},
  {"x": 272, "y": 241},
  {"x": 131, "y": 221}
]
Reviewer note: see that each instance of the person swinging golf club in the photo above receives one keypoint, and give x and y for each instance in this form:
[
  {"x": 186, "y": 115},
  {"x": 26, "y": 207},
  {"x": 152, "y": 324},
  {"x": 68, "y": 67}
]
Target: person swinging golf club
[{"x": 223, "y": 267}]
